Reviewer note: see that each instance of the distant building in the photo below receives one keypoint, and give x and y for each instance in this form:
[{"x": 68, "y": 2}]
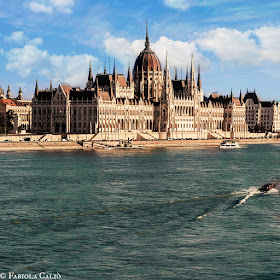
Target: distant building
[
  {"x": 261, "y": 115},
  {"x": 20, "y": 108}
]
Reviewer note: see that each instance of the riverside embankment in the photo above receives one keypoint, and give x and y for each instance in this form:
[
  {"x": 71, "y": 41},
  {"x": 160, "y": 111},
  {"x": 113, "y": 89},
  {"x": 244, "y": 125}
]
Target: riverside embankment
[{"x": 192, "y": 144}]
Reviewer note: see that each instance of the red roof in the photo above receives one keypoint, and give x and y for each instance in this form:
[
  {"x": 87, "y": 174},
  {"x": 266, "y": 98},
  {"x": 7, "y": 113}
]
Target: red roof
[
  {"x": 236, "y": 101},
  {"x": 7, "y": 102},
  {"x": 104, "y": 95},
  {"x": 121, "y": 80},
  {"x": 66, "y": 89}
]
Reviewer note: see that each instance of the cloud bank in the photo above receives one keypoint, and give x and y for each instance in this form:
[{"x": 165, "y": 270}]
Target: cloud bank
[
  {"x": 50, "y": 6},
  {"x": 72, "y": 69},
  {"x": 18, "y": 37}
]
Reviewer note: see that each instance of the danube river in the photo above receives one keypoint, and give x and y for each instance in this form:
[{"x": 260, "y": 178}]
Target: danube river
[{"x": 153, "y": 214}]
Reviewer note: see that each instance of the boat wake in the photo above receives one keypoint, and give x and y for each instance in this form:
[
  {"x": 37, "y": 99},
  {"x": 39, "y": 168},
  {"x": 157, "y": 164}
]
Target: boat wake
[
  {"x": 249, "y": 193},
  {"x": 243, "y": 195}
]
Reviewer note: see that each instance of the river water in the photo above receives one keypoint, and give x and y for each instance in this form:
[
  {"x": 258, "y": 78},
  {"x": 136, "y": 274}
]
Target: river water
[{"x": 153, "y": 214}]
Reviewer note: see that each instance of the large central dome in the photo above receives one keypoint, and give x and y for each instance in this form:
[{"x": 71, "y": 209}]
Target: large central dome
[{"x": 147, "y": 58}]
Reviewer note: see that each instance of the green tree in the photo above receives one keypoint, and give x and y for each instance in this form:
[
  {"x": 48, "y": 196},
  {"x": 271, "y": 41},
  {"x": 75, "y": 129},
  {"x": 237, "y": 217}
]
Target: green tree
[{"x": 10, "y": 115}]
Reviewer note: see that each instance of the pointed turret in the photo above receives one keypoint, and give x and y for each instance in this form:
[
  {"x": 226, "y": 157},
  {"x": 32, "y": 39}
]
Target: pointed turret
[
  {"x": 129, "y": 78},
  {"x": 192, "y": 81},
  {"x": 20, "y": 96},
  {"x": 231, "y": 96},
  {"x": 97, "y": 86},
  {"x": 2, "y": 94},
  {"x": 51, "y": 86},
  {"x": 240, "y": 97},
  {"x": 36, "y": 88},
  {"x": 90, "y": 78},
  {"x": 147, "y": 42},
  {"x": 199, "y": 78},
  {"x": 9, "y": 94},
  {"x": 187, "y": 78},
  {"x": 115, "y": 78},
  {"x": 105, "y": 70},
  {"x": 166, "y": 63},
  {"x": 176, "y": 74}
]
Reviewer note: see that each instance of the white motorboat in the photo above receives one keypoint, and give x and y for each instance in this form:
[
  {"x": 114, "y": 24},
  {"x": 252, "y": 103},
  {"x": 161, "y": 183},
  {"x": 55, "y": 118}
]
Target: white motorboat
[{"x": 229, "y": 144}]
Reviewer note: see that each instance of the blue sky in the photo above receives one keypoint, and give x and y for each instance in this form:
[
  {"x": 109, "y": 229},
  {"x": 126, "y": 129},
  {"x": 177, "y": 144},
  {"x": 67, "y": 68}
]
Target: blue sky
[{"x": 236, "y": 42}]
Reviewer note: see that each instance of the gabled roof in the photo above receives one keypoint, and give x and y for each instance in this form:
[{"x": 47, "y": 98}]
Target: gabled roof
[
  {"x": 82, "y": 94},
  {"x": 66, "y": 89},
  {"x": 266, "y": 103},
  {"x": 121, "y": 80},
  {"x": 45, "y": 94},
  {"x": 253, "y": 96},
  {"x": 103, "y": 80},
  {"x": 236, "y": 101},
  {"x": 7, "y": 102},
  {"x": 178, "y": 85},
  {"x": 104, "y": 95}
]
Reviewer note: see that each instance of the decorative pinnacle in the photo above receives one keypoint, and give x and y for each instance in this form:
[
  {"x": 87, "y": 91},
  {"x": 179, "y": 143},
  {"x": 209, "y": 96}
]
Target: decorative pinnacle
[{"x": 147, "y": 43}]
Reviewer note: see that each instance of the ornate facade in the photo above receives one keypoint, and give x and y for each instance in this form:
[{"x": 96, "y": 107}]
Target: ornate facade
[
  {"x": 21, "y": 111},
  {"x": 261, "y": 115},
  {"x": 146, "y": 101}
]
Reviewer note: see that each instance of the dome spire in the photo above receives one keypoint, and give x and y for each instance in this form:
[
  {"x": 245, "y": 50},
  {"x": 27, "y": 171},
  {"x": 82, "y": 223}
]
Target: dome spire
[
  {"x": 20, "y": 97},
  {"x": 147, "y": 43},
  {"x": 9, "y": 94}
]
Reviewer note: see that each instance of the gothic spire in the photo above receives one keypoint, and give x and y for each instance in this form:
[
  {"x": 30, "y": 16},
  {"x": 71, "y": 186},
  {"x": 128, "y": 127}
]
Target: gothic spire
[
  {"x": 199, "y": 78},
  {"x": 231, "y": 95},
  {"x": 192, "y": 74},
  {"x": 36, "y": 88},
  {"x": 176, "y": 74},
  {"x": 20, "y": 97},
  {"x": 105, "y": 70},
  {"x": 187, "y": 78},
  {"x": 114, "y": 71},
  {"x": 240, "y": 97},
  {"x": 129, "y": 79},
  {"x": 90, "y": 77},
  {"x": 147, "y": 43},
  {"x": 166, "y": 62},
  {"x": 9, "y": 94},
  {"x": 51, "y": 87}
]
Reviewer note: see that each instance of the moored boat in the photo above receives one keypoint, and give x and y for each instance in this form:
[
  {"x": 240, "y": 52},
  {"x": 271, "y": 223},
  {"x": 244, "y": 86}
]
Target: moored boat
[{"x": 229, "y": 144}]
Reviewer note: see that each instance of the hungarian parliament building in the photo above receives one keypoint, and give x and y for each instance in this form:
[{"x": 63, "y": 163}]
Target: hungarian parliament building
[{"x": 147, "y": 102}]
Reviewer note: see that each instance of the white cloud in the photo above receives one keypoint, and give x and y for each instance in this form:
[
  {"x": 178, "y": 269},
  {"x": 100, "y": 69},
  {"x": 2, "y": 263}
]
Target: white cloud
[
  {"x": 177, "y": 4},
  {"x": 63, "y": 6},
  {"x": 269, "y": 37},
  {"x": 40, "y": 7},
  {"x": 70, "y": 69},
  {"x": 179, "y": 53},
  {"x": 49, "y": 6},
  {"x": 36, "y": 41},
  {"x": 1, "y": 51},
  {"x": 249, "y": 47},
  {"x": 230, "y": 45},
  {"x": 18, "y": 37}
]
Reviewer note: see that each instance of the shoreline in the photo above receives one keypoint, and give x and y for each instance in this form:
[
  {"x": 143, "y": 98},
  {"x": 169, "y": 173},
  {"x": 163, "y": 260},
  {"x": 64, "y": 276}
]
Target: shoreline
[{"x": 101, "y": 145}]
